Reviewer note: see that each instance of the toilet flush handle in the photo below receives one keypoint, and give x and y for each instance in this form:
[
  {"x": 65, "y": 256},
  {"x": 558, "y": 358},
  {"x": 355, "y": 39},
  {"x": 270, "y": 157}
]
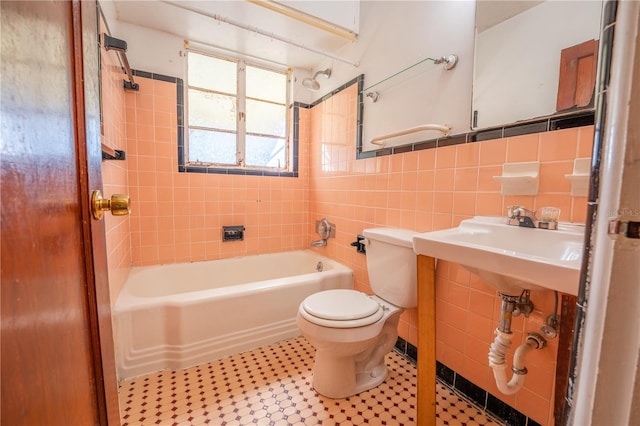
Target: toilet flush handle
[{"x": 360, "y": 244}]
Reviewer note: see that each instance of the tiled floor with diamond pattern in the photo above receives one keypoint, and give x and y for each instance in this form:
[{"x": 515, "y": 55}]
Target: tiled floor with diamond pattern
[{"x": 272, "y": 386}]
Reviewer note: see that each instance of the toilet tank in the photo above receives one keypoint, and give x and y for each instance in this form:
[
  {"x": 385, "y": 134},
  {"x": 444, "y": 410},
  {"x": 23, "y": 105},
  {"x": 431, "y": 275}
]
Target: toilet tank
[{"x": 391, "y": 263}]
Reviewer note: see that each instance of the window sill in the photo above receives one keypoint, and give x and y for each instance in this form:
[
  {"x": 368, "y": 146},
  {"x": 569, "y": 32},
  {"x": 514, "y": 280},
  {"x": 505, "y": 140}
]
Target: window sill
[{"x": 234, "y": 171}]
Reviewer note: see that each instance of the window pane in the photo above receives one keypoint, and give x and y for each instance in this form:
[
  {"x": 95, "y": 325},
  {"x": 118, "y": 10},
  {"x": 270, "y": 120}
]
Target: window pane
[
  {"x": 212, "y": 73},
  {"x": 266, "y": 118},
  {"x": 265, "y": 152},
  {"x": 212, "y": 147},
  {"x": 212, "y": 110},
  {"x": 268, "y": 85}
]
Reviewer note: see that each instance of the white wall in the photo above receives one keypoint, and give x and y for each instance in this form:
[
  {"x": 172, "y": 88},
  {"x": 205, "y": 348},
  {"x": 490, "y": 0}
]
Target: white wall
[
  {"x": 158, "y": 52},
  {"x": 344, "y": 13},
  {"x": 153, "y": 51},
  {"x": 393, "y": 35},
  {"x": 518, "y": 61},
  {"x": 110, "y": 15}
]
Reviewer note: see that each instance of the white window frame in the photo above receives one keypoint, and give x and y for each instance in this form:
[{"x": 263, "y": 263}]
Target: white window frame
[{"x": 240, "y": 119}]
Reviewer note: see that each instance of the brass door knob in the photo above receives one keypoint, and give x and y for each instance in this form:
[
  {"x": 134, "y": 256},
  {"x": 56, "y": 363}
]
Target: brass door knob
[{"x": 118, "y": 205}]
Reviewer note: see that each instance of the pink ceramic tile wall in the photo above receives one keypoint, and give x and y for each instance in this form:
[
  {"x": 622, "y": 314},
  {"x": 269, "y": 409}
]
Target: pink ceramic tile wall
[
  {"x": 114, "y": 172},
  {"x": 178, "y": 217},
  {"x": 435, "y": 189}
]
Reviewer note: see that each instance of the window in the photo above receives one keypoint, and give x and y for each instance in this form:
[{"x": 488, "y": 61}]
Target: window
[{"x": 237, "y": 115}]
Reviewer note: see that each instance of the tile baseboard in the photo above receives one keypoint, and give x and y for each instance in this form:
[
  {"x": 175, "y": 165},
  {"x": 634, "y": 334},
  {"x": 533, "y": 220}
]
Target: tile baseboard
[{"x": 467, "y": 389}]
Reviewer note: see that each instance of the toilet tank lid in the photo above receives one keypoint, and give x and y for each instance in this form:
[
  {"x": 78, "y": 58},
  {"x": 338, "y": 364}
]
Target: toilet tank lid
[{"x": 397, "y": 236}]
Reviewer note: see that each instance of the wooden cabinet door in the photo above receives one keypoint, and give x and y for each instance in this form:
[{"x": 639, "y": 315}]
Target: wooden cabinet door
[
  {"x": 54, "y": 335},
  {"x": 578, "y": 67}
]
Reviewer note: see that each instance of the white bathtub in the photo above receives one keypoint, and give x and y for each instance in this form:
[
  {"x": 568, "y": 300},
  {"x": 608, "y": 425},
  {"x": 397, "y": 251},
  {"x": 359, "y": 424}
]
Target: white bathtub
[{"x": 177, "y": 316}]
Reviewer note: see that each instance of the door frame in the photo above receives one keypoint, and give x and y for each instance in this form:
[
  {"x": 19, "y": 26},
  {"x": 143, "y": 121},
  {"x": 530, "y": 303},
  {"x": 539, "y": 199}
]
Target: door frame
[{"x": 88, "y": 145}]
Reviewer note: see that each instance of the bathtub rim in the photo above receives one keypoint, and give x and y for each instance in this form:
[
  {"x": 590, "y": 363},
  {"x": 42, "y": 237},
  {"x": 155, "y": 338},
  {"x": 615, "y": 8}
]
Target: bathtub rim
[{"x": 126, "y": 301}]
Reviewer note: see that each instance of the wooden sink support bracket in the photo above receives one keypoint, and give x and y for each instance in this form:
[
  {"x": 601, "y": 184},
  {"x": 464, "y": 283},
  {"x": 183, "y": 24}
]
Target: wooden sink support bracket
[{"x": 426, "y": 389}]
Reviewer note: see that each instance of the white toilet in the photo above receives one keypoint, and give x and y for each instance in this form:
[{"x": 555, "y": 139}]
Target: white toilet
[{"x": 352, "y": 331}]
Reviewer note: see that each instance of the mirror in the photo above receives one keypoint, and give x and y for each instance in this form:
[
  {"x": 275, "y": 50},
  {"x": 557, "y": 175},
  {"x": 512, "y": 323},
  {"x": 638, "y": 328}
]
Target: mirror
[{"x": 517, "y": 57}]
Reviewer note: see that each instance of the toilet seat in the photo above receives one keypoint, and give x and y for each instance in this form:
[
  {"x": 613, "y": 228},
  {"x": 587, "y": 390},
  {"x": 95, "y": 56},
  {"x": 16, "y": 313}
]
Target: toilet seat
[{"x": 341, "y": 309}]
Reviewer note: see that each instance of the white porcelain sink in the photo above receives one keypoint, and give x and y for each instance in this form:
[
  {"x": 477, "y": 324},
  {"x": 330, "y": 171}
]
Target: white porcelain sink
[{"x": 511, "y": 258}]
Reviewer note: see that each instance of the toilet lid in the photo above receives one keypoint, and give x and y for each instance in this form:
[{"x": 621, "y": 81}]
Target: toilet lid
[{"x": 340, "y": 305}]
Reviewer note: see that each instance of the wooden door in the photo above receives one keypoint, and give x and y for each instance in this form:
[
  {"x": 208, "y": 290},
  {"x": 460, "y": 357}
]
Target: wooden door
[
  {"x": 57, "y": 350},
  {"x": 576, "y": 83}
]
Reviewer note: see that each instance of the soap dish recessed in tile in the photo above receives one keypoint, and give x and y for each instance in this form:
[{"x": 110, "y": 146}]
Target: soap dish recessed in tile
[
  {"x": 580, "y": 177},
  {"x": 520, "y": 178}
]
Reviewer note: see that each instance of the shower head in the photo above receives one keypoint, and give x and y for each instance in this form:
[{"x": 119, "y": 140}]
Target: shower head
[{"x": 312, "y": 83}]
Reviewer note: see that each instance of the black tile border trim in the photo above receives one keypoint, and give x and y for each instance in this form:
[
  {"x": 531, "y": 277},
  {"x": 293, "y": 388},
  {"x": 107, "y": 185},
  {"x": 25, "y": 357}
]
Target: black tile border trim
[
  {"x": 568, "y": 120},
  {"x": 155, "y": 76},
  {"x": 565, "y": 121},
  {"x": 466, "y": 388},
  {"x": 482, "y": 398},
  {"x": 359, "y": 80},
  {"x": 406, "y": 349}
]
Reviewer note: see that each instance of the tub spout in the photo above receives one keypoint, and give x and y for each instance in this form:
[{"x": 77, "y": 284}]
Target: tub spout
[{"x": 319, "y": 243}]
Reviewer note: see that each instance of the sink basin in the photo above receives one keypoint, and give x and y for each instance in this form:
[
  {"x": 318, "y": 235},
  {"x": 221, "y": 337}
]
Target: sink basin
[{"x": 510, "y": 258}]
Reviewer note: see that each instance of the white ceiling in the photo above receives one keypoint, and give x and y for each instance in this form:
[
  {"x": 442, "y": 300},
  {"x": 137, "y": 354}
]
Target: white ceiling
[
  {"x": 199, "y": 25},
  {"x": 194, "y": 21},
  {"x": 492, "y": 12}
]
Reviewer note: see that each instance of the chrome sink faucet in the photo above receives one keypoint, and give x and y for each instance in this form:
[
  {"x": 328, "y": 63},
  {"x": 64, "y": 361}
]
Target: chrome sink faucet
[{"x": 520, "y": 216}]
